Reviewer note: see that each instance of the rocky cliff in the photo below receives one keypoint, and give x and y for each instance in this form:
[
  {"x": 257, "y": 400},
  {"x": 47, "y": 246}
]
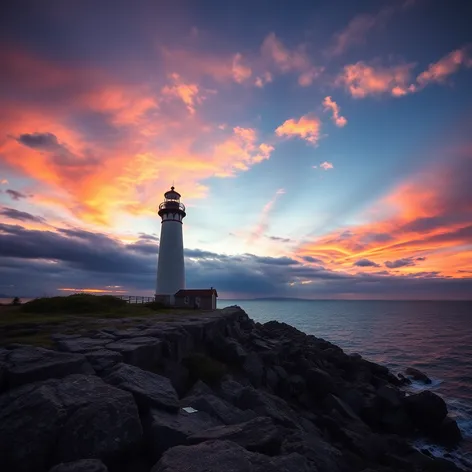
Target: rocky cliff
[{"x": 209, "y": 392}]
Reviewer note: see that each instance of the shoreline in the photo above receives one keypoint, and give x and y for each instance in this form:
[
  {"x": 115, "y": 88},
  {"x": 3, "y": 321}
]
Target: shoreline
[{"x": 266, "y": 393}]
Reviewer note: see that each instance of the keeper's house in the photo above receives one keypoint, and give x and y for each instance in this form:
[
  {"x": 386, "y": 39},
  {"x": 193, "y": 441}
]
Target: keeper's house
[{"x": 204, "y": 299}]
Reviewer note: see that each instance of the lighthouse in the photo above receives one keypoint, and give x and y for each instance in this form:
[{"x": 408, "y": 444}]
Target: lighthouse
[{"x": 170, "y": 264}]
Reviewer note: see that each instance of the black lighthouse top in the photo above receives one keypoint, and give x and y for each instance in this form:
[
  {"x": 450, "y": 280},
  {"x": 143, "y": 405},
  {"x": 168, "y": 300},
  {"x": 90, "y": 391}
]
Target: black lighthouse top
[{"x": 172, "y": 206}]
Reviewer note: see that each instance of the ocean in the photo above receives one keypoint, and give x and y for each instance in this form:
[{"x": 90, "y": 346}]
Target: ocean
[{"x": 433, "y": 336}]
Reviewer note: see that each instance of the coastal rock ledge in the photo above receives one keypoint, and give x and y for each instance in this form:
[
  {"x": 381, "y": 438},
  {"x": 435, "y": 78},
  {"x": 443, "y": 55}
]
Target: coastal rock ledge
[{"x": 209, "y": 392}]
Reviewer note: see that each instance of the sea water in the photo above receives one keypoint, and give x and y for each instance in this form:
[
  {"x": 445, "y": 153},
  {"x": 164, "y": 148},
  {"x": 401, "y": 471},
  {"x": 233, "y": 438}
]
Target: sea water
[{"x": 433, "y": 336}]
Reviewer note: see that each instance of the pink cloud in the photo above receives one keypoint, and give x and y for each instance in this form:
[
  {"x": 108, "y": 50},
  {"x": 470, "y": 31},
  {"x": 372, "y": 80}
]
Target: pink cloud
[
  {"x": 241, "y": 72},
  {"x": 326, "y": 165},
  {"x": 263, "y": 79},
  {"x": 307, "y": 128},
  {"x": 361, "y": 80},
  {"x": 330, "y": 104},
  {"x": 290, "y": 60},
  {"x": 446, "y": 66}
]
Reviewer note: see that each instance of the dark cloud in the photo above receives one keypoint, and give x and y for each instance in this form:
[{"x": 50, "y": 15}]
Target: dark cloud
[
  {"x": 365, "y": 263},
  {"x": 279, "y": 239},
  {"x": 408, "y": 261},
  {"x": 420, "y": 259},
  {"x": 314, "y": 260},
  {"x": 150, "y": 237},
  {"x": 60, "y": 153},
  {"x": 20, "y": 215},
  {"x": 41, "y": 141},
  {"x": 15, "y": 195},
  {"x": 39, "y": 262}
]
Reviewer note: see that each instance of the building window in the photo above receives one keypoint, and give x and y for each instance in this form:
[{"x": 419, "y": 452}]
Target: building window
[{"x": 186, "y": 300}]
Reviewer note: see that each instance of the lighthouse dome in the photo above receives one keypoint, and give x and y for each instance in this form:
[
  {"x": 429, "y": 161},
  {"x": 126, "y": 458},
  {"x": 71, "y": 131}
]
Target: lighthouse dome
[{"x": 172, "y": 194}]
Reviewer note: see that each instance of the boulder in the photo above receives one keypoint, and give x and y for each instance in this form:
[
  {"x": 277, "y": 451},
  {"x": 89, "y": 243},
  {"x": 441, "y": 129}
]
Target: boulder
[
  {"x": 257, "y": 435},
  {"x": 447, "y": 433},
  {"x": 319, "y": 383},
  {"x": 143, "y": 352},
  {"x": 164, "y": 430},
  {"x": 31, "y": 364},
  {"x": 265, "y": 404},
  {"x": 426, "y": 409},
  {"x": 416, "y": 374},
  {"x": 217, "y": 456},
  {"x": 389, "y": 397},
  {"x": 354, "y": 399},
  {"x": 254, "y": 369},
  {"x": 332, "y": 402},
  {"x": 148, "y": 389},
  {"x": 230, "y": 390},
  {"x": 84, "y": 465},
  {"x": 227, "y": 350},
  {"x": 65, "y": 420},
  {"x": 103, "y": 359},
  {"x": 218, "y": 408}
]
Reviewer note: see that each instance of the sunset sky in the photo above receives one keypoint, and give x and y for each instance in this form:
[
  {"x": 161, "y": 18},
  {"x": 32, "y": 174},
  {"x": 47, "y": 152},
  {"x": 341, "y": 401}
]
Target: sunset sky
[{"x": 323, "y": 149}]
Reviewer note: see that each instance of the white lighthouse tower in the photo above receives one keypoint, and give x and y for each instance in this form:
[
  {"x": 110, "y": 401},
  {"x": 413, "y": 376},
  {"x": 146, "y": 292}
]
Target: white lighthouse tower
[{"x": 170, "y": 265}]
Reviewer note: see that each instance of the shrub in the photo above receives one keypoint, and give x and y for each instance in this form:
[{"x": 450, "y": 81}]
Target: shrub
[
  {"x": 205, "y": 368},
  {"x": 16, "y": 301},
  {"x": 155, "y": 305},
  {"x": 74, "y": 304}
]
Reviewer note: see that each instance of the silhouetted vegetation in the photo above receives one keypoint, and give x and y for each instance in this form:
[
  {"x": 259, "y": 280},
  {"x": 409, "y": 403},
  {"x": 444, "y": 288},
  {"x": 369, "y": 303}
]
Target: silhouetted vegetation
[
  {"x": 16, "y": 301},
  {"x": 75, "y": 304},
  {"x": 155, "y": 305},
  {"x": 205, "y": 368}
]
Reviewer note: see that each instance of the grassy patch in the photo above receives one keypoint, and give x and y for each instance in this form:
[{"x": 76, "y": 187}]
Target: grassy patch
[
  {"x": 74, "y": 304},
  {"x": 203, "y": 367},
  {"x": 39, "y": 339}
]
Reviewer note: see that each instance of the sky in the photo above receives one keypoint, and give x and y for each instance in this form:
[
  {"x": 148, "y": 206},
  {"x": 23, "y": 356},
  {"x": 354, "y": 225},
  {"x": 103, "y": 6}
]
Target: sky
[{"x": 323, "y": 149}]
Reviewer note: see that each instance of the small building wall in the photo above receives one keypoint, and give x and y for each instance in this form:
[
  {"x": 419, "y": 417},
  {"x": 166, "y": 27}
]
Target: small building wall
[{"x": 206, "y": 303}]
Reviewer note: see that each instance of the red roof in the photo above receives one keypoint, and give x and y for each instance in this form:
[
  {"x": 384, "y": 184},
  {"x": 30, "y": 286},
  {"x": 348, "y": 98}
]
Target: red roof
[{"x": 198, "y": 292}]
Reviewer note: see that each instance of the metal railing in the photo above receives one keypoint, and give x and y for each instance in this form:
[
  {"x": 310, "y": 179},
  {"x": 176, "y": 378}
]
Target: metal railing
[
  {"x": 171, "y": 205},
  {"x": 136, "y": 299}
]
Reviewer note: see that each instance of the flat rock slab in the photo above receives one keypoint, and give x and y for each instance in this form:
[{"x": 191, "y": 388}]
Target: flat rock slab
[
  {"x": 142, "y": 351},
  {"x": 84, "y": 465},
  {"x": 76, "y": 417},
  {"x": 218, "y": 408},
  {"x": 32, "y": 364},
  {"x": 80, "y": 345},
  {"x": 257, "y": 435},
  {"x": 164, "y": 430},
  {"x": 148, "y": 389},
  {"x": 227, "y": 456},
  {"x": 103, "y": 359}
]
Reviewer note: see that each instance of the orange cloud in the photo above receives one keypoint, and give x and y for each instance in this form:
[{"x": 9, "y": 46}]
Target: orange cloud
[
  {"x": 446, "y": 66},
  {"x": 307, "y": 128},
  {"x": 330, "y": 104},
  {"x": 361, "y": 80},
  {"x": 188, "y": 93},
  {"x": 428, "y": 231},
  {"x": 148, "y": 141}
]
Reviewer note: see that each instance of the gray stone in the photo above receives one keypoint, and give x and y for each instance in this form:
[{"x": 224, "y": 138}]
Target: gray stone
[
  {"x": 265, "y": 404},
  {"x": 319, "y": 383},
  {"x": 218, "y": 456},
  {"x": 333, "y": 402},
  {"x": 164, "y": 430},
  {"x": 426, "y": 409},
  {"x": 103, "y": 359},
  {"x": 148, "y": 389},
  {"x": 80, "y": 345},
  {"x": 65, "y": 420},
  {"x": 230, "y": 390},
  {"x": 257, "y": 435},
  {"x": 142, "y": 352},
  {"x": 32, "y": 364},
  {"x": 84, "y": 465},
  {"x": 254, "y": 369},
  {"x": 416, "y": 374},
  {"x": 390, "y": 397},
  {"x": 447, "y": 433},
  {"x": 218, "y": 408}
]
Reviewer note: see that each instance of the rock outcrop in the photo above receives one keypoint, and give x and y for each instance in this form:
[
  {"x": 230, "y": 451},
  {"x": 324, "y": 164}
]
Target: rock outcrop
[{"x": 210, "y": 392}]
